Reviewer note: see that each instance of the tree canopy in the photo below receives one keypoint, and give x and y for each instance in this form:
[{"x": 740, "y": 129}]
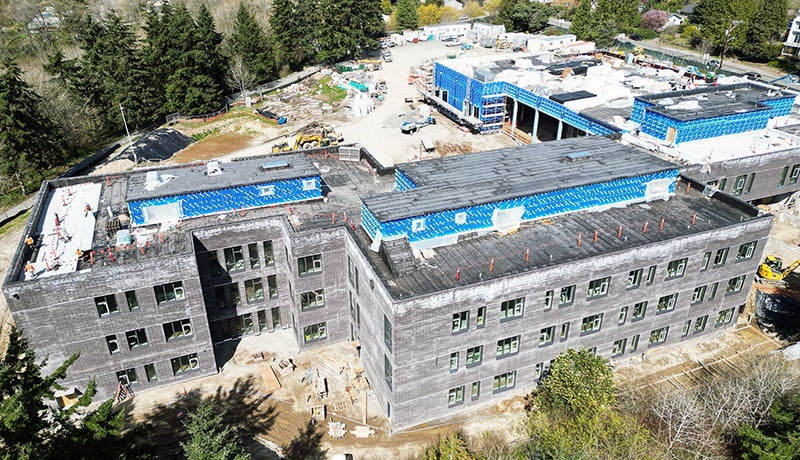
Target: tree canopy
[
  {"x": 578, "y": 382},
  {"x": 209, "y": 437},
  {"x": 405, "y": 15}
]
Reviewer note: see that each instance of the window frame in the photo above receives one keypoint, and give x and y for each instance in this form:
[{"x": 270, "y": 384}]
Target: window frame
[
  {"x": 234, "y": 259},
  {"x": 637, "y": 305},
  {"x": 174, "y": 330},
  {"x": 547, "y": 336},
  {"x": 136, "y": 338},
  {"x": 735, "y": 285},
  {"x": 455, "y": 396},
  {"x": 666, "y": 303},
  {"x": 623, "y": 315},
  {"x": 312, "y": 300},
  {"x": 721, "y": 257},
  {"x": 515, "y": 306},
  {"x": 724, "y": 317},
  {"x": 698, "y": 298},
  {"x": 171, "y": 289},
  {"x": 746, "y": 251},
  {"x": 634, "y": 280},
  {"x": 312, "y": 264},
  {"x": 504, "y": 382},
  {"x": 315, "y": 332},
  {"x": 480, "y": 318},
  {"x": 595, "y": 321},
  {"x": 474, "y": 356},
  {"x": 460, "y": 322},
  {"x": 619, "y": 351},
  {"x": 106, "y": 305},
  {"x": 676, "y": 268},
  {"x": 661, "y": 334},
  {"x": 569, "y": 293},
  {"x": 112, "y": 339},
  {"x": 192, "y": 364},
  {"x": 507, "y": 347},
  {"x": 126, "y": 373},
  {"x": 598, "y": 288},
  {"x": 251, "y": 293}
]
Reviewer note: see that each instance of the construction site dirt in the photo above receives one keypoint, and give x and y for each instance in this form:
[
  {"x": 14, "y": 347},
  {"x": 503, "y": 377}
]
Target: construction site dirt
[{"x": 272, "y": 392}]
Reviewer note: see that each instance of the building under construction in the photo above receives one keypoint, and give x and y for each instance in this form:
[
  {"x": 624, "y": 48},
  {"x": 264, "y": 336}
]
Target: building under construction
[
  {"x": 735, "y": 134},
  {"x": 594, "y": 245}
]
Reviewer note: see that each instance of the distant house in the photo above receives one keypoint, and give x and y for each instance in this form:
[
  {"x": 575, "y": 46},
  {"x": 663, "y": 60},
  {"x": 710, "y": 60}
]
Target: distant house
[
  {"x": 674, "y": 19},
  {"x": 688, "y": 10},
  {"x": 791, "y": 47}
]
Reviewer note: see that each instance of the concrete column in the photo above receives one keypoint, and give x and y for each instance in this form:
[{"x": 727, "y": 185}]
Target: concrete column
[
  {"x": 514, "y": 118},
  {"x": 560, "y": 130},
  {"x": 535, "y": 129}
]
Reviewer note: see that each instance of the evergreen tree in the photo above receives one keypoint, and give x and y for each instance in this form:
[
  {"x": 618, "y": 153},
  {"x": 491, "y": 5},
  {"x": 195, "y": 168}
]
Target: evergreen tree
[
  {"x": 29, "y": 144},
  {"x": 583, "y": 23},
  {"x": 25, "y": 431},
  {"x": 505, "y": 14},
  {"x": 306, "y": 32},
  {"x": 453, "y": 446},
  {"x": 249, "y": 42},
  {"x": 352, "y": 26},
  {"x": 284, "y": 24},
  {"x": 405, "y": 14},
  {"x": 715, "y": 17},
  {"x": 578, "y": 383},
  {"x": 779, "y": 438},
  {"x": 538, "y": 16},
  {"x": 210, "y": 438},
  {"x": 766, "y": 30},
  {"x": 208, "y": 45}
]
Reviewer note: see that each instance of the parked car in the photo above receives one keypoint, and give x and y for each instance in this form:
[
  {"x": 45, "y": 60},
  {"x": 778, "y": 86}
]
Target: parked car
[
  {"x": 387, "y": 55},
  {"x": 713, "y": 64},
  {"x": 636, "y": 37},
  {"x": 752, "y": 75}
]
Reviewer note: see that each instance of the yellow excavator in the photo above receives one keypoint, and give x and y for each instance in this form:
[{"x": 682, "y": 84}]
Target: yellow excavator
[{"x": 772, "y": 268}]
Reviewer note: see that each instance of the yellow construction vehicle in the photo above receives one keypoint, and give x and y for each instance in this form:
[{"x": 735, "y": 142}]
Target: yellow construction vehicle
[
  {"x": 281, "y": 147},
  {"x": 313, "y": 140},
  {"x": 772, "y": 268}
]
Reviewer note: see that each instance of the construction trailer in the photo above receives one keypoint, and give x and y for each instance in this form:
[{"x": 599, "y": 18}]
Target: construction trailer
[{"x": 461, "y": 278}]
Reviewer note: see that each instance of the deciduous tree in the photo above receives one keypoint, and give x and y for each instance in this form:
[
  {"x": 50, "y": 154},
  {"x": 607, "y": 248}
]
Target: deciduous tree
[
  {"x": 654, "y": 19},
  {"x": 428, "y": 14},
  {"x": 578, "y": 382}
]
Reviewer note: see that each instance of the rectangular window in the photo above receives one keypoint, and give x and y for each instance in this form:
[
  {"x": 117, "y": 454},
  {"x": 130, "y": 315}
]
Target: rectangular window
[
  {"x": 567, "y": 296},
  {"x": 453, "y": 362},
  {"x": 480, "y": 320},
  {"x": 417, "y": 225},
  {"x": 511, "y": 308},
  {"x": 234, "y": 259},
  {"x": 269, "y": 256},
  {"x": 272, "y": 285},
  {"x": 460, "y": 321},
  {"x": 387, "y": 333},
  {"x": 177, "y": 329},
  {"x": 127, "y": 377},
  {"x": 352, "y": 273},
  {"x": 455, "y": 396},
  {"x": 619, "y": 347},
  {"x": 794, "y": 174},
  {"x": 597, "y": 288},
  {"x": 261, "y": 316},
  {"x": 639, "y": 310},
  {"x": 106, "y": 305},
  {"x": 474, "y": 356},
  {"x": 721, "y": 257},
  {"x": 252, "y": 252},
  {"x": 564, "y": 331},
  {"x": 634, "y": 278},
  {"x": 546, "y": 336},
  {"x": 634, "y": 343},
  {"x": 315, "y": 332},
  {"x": 735, "y": 285},
  {"x": 309, "y": 184},
  {"x": 651, "y": 275},
  {"x": 254, "y": 290},
  {"x": 698, "y": 294},
  {"x": 309, "y": 264},
  {"x": 213, "y": 264},
  {"x": 784, "y": 173},
  {"x": 476, "y": 390},
  {"x": 658, "y": 336},
  {"x": 738, "y": 184},
  {"x": 667, "y": 303},
  {"x": 686, "y": 325},
  {"x": 746, "y": 250},
  {"x": 623, "y": 315},
  {"x": 538, "y": 370},
  {"x": 676, "y": 268},
  {"x": 169, "y": 292},
  {"x": 504, "y": 381},
  {"x": 312, "y": 299},
  {"x": 706, "y": 259},
  {"x": 113, "y": 344},
  {"x": 266, "y": 190},
  {"x": 591, "y": 323},
  {"x": 700, "y": 324},
  {"x": 722, "y": 183},
  {"x": 725, "y": 316},
  {"x": 507, "y": 347},
  {"x": 150, "y": 372},
  {"x": 244, "y": 324},
  {"x": 461, "y": 218},
  {"x": 712, "y": 291},
  {"x": 136, "y": 338},
  {"x": 548, "y": 300},
  {"x": 184, "y": 363},
  {"x": 276, "y": 317},
  {"x": 750, "y": 178},
  {"x": 387, "y": 371},
  {"x": 130, "y": 297}
]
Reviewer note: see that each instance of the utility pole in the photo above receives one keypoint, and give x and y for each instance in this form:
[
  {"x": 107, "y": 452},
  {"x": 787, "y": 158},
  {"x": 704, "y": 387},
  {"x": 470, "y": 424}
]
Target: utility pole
[
  {"x": 727, "y": 41},
  {"x": 130, "y": 141}
]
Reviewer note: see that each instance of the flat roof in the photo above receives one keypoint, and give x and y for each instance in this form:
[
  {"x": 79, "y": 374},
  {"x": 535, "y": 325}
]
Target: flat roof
[
  {"x": 485, "y": 177},
  {"x": 734, "y": 146},
  {"x": 553, "y": 243},
  {"x": 714, "y": 101},
  {"x": 193, "y": 178}
]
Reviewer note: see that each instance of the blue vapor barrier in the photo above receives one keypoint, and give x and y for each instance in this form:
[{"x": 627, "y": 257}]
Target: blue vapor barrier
[
  {"x": 479, "y": 217},
  {"x": 369, "y": 222},
  {"x": 232, "y": 199},
  {"x": 489, "y": 99},
  {"x": 657, "y": 124},
  {"x": 402, "y": 182}
]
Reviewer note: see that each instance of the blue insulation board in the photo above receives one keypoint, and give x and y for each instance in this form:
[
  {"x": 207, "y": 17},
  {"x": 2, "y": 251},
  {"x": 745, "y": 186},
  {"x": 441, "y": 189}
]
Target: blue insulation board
[
  {"x": 657, "y": 124},
  {"x": 402, "y": 182},
  {"x": 233, "y": 199},
  {"x": 538, "y": 206},
  {"x": 456, "y": 83}
]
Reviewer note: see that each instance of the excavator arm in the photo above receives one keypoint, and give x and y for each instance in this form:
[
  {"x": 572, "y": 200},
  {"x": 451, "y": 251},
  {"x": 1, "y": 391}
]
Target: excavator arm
[{"x": 790, "y": 268}]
